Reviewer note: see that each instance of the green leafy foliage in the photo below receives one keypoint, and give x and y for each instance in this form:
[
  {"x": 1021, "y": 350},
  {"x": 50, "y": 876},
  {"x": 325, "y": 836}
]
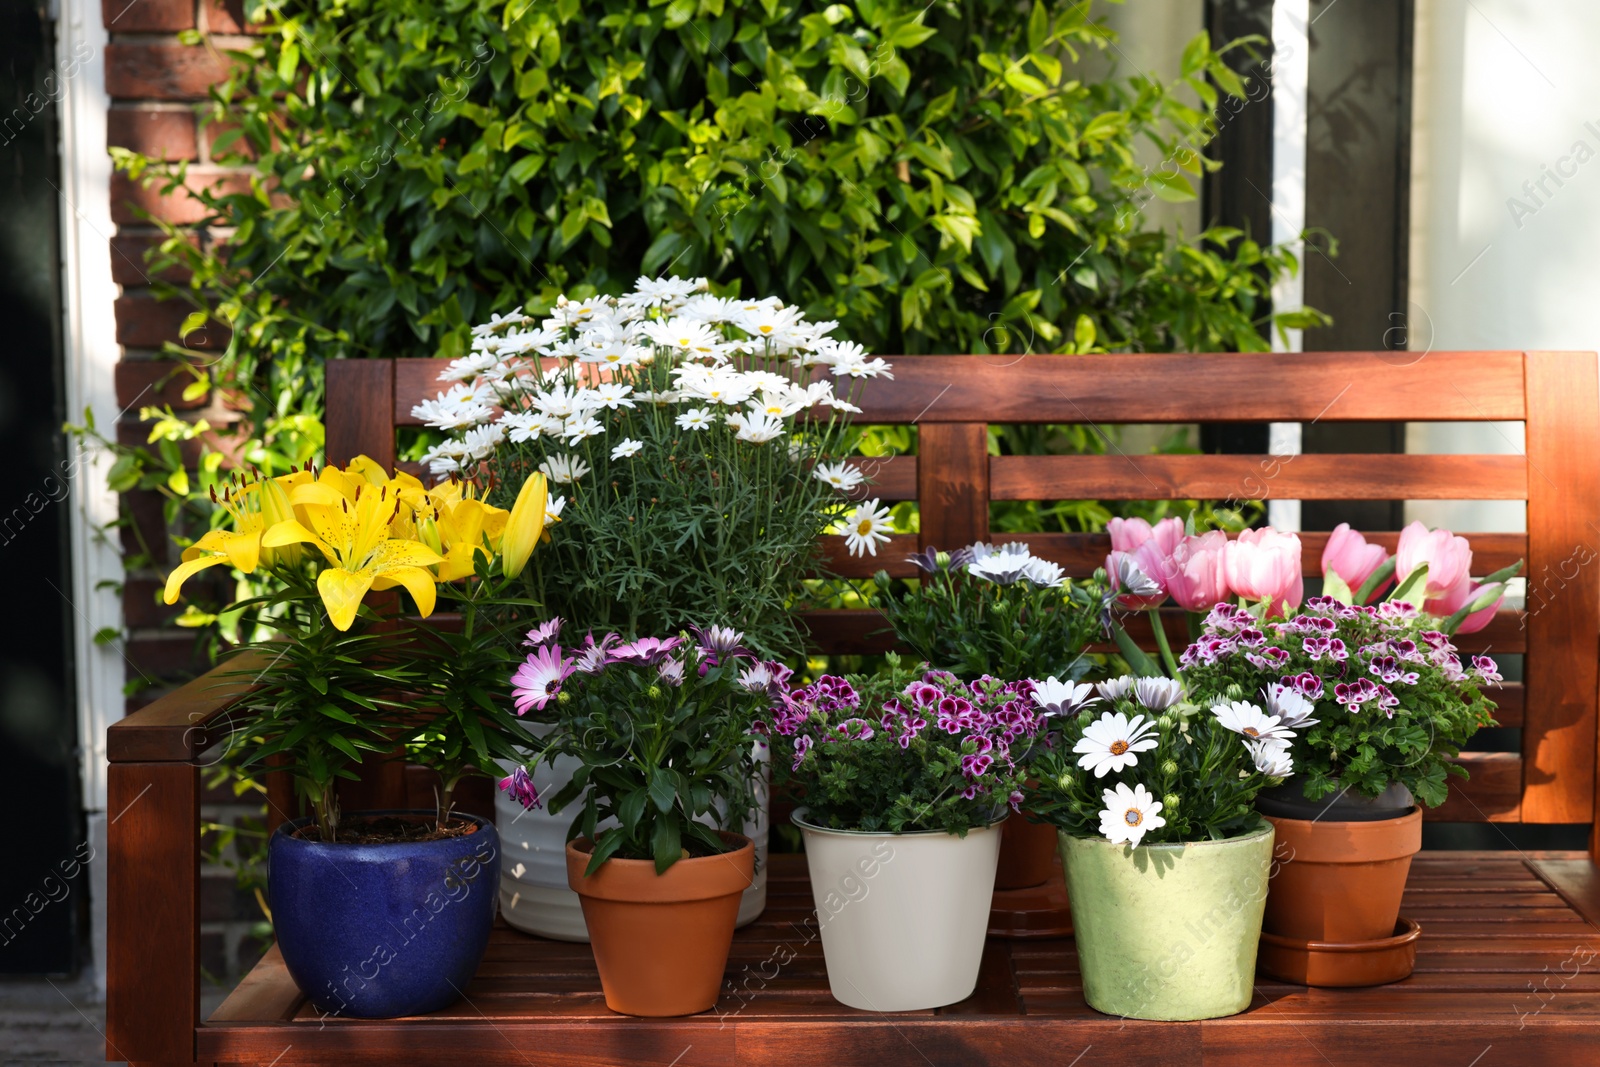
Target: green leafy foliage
[
  {"x": 974, "y": 626},
  {"x": 936, "y": 177}
]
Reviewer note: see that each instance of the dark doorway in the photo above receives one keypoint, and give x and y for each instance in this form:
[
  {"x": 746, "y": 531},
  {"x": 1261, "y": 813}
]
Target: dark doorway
[{"x": 42, "y": 881}]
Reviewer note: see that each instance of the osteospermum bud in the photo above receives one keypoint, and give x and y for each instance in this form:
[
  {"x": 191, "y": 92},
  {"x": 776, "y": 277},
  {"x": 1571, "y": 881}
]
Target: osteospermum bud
[
  {"x": 942, "y": 558},
  {"x": 1235, "y": 692},
  {"x": 563, "y": 698},
  {"x": 1165, "y": 722},
  {"x": 1169, "y": 803},
  {"x": 654, "y": 692},
  {"x": 1170, "y": 768},
  {"x": 1065, "y": 781},
  {"x": 1085, "y": 717}
]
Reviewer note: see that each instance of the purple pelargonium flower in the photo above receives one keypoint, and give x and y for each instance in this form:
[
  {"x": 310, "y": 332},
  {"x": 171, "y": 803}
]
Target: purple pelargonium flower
[
  {"x": 544, "y": 634},
  {"x": 720, "y": 642},
  {"x": 539, "y": 679},
  {"x": 975, "y": 765},
  {"x": 1307, "y": 683},
  {"x": 851, "y": 730},
  {"x": 521, "y": 788},
  {"x": 802, "y": 745},
  {"x": 645, "y": 652}
]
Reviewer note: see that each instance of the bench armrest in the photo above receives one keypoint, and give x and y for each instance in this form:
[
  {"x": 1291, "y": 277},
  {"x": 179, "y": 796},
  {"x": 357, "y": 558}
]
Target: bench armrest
[{"x": 174, "y": 727}]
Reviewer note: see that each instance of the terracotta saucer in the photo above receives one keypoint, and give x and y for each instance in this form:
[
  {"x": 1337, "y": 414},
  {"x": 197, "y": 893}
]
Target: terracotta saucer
[{"x": 1341, "y": 964}]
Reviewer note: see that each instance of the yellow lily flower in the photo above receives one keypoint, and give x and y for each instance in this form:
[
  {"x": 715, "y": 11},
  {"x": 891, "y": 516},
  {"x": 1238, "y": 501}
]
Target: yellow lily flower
[
  {"x": 356, "y": 540},
  {"x": 252, "y": 506}
]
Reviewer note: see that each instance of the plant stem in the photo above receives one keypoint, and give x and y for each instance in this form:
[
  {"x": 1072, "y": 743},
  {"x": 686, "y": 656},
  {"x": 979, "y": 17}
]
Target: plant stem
[{"x": 1161, "y": 643}]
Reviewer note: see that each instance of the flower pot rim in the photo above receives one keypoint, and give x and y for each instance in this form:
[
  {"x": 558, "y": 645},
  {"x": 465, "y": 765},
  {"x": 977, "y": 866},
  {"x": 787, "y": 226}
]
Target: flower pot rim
[
  {"x": 795, "y": 817},
  {"x": 636, "y": 881},
  {"x": 1175, "y": 846},
  {"x": 352, "y": 849},
  {"x": 1357, "y": 841}
]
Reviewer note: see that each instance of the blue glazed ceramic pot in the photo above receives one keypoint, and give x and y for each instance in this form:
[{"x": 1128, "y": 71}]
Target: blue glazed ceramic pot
[{"x": 385, "y": 930}]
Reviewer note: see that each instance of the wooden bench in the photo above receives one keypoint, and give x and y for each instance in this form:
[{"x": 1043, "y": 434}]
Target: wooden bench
[{"x": 1508, "y": 968}]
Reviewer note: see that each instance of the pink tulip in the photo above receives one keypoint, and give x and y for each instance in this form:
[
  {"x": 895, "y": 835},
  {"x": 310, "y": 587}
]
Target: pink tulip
[
  {"x": 1449, "y": 559},
  {"x": 1265, "y": 565},
  {"x": 1459, "y": 596},
  {"x": 1198, "y": 579},
  {"x": 1350, "y": 557},
  {"x": 1128, "y": 534}
]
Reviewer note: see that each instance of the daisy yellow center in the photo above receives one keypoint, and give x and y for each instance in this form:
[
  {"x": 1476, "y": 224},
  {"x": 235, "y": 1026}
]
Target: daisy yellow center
[
  {"x": 864, "y": 527},
  {"x": 1251, "y": 731},
  {"x": 766, "y": 329},
  {"x": 1133, "y": 816},
  {"x": 684, "y": 341},
  {"x": 1118, "y": 747}
]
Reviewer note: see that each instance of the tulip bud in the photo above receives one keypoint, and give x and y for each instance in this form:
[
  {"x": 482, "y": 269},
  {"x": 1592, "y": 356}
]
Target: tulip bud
[{"x": 1169, "y": 803}]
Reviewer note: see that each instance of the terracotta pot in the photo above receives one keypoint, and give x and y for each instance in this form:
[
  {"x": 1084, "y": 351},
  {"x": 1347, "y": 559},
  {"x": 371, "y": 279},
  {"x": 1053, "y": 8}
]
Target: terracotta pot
[
  {"x": 1027, "y": 852},
  {"x": 1340, "y": 881},
  {"x": 661, "y": 941}
]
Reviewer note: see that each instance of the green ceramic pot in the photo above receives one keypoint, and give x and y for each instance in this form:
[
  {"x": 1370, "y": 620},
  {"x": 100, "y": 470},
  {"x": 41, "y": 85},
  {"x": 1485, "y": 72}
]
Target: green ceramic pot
[{"x": 1168, "y": 931}]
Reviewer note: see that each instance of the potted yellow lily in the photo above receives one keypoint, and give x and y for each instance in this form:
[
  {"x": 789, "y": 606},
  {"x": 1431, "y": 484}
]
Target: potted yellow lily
[{"x": 346, "y": 675}]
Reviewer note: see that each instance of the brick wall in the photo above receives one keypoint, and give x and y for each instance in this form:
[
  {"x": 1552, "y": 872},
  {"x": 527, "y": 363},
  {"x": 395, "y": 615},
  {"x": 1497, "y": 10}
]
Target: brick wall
[{"x": 155, "y": 82}]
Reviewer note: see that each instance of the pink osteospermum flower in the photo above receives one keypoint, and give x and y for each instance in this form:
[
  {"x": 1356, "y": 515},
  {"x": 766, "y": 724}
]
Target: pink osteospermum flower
[
  {"x": 540, "y": 678},
  {"x": 544, "y": 634}
]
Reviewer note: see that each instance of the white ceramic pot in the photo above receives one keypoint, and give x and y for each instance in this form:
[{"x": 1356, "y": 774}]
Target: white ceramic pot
[
  {"x": 534, "y": 896},
  {"x": 902, "y": 916}
]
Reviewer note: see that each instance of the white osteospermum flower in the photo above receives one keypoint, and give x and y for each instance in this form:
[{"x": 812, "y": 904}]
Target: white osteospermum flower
[
  {"x": 842, "y": 476},
  {"x": 866, "y": 527},
  {"x": 695, "y": 419},
  {"x": 1115, "y": 688},
  {"x": 759, "y": 429},
  {"x": 1043, "y": 573},
  {"x": 1113, "y": 742},
  {"x": 1157, "y": 694},
  {"x": 1056, "y": 697},
  {"x": 1129, "y": 814},
  {"x": 581, "y": 427},
  {"x": 1250, "y": 721},
  {"x": 1292, "y": 707},
  {"x": 1271, "y": 757},
  {"x": 563, "y": 469},
  {"x": 627, "y": 447}
]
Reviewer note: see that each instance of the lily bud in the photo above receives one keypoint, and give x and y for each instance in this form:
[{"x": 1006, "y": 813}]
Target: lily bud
[{"x": 524, "y": 526}]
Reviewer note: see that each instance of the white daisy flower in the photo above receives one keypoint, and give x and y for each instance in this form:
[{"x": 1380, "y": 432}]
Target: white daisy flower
[
  {"x": 1245, "y": 718},
  {"x": 768, "y": 322},
  {"x": 559, "y": 401},
  {"x": 684, "y": 335},
  {"x": 842, "y": 476},
  {"x": 666, "y": 290},
  {"x": 553, "y": 507},
  {"x": 666, "y": 396},
  {"x": 627, "y": 447},
  {"x": 759, "y": 429},
  {"x": 563, "y": 468},
  {"x": 459, "y": 408},
  {"x": 695, "y": 419},
  {"x": 1115, "y": 688},
  {"x": 469, "y": 367},
  {"x": 1056, "y": 697},
  {"x": 1271, "y": 757},
  {"x": 856, "y": 367},
  {"x": 1157, "y": 694},
  {"x": 481, "y": 441},
  {"x": 1113, "y": 742},
  {"x": 865, "y": 527},
  {"x": 611, "y": 395},
  {"x": 1292, "y": 707},
  {"x": 522, "y": 342},
  {"x": 510, "y": 318},
  {"x": 581, "y": 427},
  {"x": 730, "y": 389},
  {"x": 524, "y": 426},
  {"x": 445, "y": 458},
  {"x": 1129, "y": 814},
  {"x": 777, "y": 405}
]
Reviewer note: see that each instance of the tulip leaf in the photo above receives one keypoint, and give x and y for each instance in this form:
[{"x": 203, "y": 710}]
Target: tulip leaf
[
  {"x": 1141, "y": 664},
  {"x": 1336, "y": 587},
  {"x": 1374, "y": 580},
  {"x": 1416, "y": 580},
  {"x": 1487, "y": 596},
  {"x": 1504, "y": 572}
]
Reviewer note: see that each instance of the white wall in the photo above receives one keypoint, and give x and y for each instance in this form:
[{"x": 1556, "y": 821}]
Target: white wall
[{"x": 1505, "y": 92}]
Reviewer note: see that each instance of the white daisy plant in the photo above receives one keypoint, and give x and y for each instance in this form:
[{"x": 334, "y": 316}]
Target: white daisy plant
[{"x": 582, "y": 386}]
